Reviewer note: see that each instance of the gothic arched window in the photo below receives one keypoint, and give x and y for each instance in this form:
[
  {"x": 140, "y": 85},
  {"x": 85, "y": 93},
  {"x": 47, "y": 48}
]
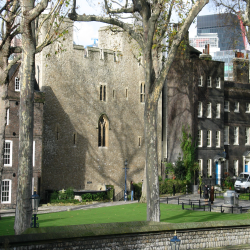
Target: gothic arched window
[{"x": 103, "y": 125}]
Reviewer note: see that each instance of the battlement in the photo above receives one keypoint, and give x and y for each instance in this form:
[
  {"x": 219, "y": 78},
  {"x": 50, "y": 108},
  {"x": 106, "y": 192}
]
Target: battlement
[{"x": 92, "y": 52}]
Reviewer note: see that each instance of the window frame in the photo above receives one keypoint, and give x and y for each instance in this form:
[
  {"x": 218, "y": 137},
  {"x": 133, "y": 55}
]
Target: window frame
[
  {"x": 200, "y": 109},
  {"x": 103, "y": 92},
  {"x": 217, "y": 139},
  {"x": 236, "y": 167},
  {"x": 218, "y": 83},
  {"x": 218, "y": 110},
  {"x": 226, "y": 135},
  {"x": 236, "y": 107},
  {"x": 209, "y": 167},
  {"x": 209, "y": 138},
  {"x": 226, "y": 109},
  {"x": 247, "y": 135},
  {"x": 17, "y": 84},
  {"x": 9, "y": 191},
  {"x": 236, "y": 136},
  {"x": 200, "y": 81},
  {"x": 228, "y": 106},
  {"x": 10, "y": 154},
  {"x": 142, "y": 92},
  {"x": 103, "y": 134},
  {"x": 209, "y": 82},
  {"x": 200, "y": 138},
  {"x": 8, "y": 117},
  {"x": 209, "y": 110},
  {"x": 247, "y": 107}
]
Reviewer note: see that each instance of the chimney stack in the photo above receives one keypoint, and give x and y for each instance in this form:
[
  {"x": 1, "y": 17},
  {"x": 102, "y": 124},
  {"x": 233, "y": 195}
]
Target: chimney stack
[
  {"x": 206, "y": 55},
  {"x": 240, "y": 68}
]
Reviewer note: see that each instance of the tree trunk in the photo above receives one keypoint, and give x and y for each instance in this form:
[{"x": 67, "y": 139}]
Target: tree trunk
[
  {"x": 143, "y": 198},
  {"x": 152, "y": 181},
  {"x": 26, "y": 123}
]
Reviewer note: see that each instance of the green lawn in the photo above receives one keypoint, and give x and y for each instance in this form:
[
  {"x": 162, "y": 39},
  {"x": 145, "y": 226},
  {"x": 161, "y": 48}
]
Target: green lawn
[{"x": 132, "y": 212}]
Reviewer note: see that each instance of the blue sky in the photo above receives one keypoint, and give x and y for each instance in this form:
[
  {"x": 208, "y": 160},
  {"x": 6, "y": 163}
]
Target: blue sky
[{"x": 85, "y": 31}]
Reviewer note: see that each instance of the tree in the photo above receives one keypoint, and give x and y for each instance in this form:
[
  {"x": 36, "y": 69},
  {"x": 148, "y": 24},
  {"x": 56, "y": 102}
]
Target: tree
[
  {"x": 29, "y": 26},
  {"x": 153, "y": 25}
]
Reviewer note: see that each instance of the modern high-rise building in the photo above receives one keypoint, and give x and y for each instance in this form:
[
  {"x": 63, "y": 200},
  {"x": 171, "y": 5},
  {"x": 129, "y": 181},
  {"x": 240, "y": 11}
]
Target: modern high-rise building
[{"x": 228, "y": 28}]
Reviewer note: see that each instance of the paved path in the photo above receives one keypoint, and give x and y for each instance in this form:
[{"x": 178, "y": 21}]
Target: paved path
[
  {"x": 52, "y": 209},
  {"x": 171, "y": 200}
]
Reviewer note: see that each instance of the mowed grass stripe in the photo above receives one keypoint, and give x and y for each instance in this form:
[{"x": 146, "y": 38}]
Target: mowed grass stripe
[{"x": 123, "y": 213}]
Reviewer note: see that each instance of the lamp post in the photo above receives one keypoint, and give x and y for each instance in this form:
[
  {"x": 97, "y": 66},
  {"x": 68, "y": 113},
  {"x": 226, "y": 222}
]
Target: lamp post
[
  {"x": 35, "y": 199},
  {"x": 175, "y": 242},
  {"x": 125, "y": 190}
]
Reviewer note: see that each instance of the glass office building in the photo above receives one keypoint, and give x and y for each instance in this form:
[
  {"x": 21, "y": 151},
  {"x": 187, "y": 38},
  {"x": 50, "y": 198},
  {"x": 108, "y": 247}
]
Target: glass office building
[{"x": 227, "y": 26}]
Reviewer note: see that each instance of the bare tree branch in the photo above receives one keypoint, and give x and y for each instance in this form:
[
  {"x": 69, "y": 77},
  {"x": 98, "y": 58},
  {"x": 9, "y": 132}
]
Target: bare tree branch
[
  {"x": 126, "y": 27},
  {"x": 40, "y": 7}
]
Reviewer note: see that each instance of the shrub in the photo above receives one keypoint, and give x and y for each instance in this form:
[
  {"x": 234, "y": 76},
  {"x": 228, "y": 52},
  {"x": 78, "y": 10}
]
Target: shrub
[
  {"x": 138, "y": 190},
  {"x": 100, "y": 196},
  {"x": 54, "y": 196},
  {"x": 166, "y": 186},
  {"x": 110, "y": 192},
  {"x": 87, "y": 197},
  {"x": 69, "y": 193}
]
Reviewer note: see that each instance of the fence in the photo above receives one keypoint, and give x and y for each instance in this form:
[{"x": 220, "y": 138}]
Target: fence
[{"x": 206, "y": 206}]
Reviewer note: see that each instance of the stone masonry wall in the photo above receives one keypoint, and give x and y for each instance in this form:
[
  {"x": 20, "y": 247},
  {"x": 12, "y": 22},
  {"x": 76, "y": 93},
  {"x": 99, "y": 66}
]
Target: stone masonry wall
[
  {"x": 190, "y": 239},
  {"x": 71, "y": 81}
]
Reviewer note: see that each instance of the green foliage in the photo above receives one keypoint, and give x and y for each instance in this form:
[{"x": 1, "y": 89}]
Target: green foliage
[
  {"x": 160, "y": 178},
  {"x": 200, "y": 181},
  {"x": 87, "y": 197},
  {"x": 184, "y": 168},
  {"x": 166, "y": 186},
  {"x": 65, "y": 201},
  {"x": 69, "y": 193},
  {"x": 54, "y": 195},
  {"x": 228, "y": 183},
  {"x": 178, "y": 170},
  {"x": 138, "y": 190},
  {"x": 110, "y": 193},
  {"x": 188, "y": 149},
  {"x": 93, "y": 197}
]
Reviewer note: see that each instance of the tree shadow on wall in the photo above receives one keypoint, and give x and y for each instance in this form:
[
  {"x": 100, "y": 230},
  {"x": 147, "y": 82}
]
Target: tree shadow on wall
[{"x": 75, "y": 114}]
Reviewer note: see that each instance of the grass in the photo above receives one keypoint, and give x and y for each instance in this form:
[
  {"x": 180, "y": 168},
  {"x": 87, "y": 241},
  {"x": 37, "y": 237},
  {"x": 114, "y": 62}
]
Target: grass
[
  {"x": 123, "y": 213},
  {"x": 243, "y": 196}
]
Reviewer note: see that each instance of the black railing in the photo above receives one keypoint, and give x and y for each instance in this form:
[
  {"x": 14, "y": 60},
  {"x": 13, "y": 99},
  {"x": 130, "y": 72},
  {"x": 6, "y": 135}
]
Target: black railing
[
  {"x": 206, "y": 206},
  {"x": 119, "y": 196}
]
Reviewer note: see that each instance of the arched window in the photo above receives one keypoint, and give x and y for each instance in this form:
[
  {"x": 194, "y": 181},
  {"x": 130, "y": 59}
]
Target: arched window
[{"x": 103, "y": 125}]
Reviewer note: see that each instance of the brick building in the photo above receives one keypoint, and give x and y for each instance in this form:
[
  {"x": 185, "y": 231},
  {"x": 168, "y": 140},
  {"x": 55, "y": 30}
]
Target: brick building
[
  {"x": 10, "y": 170},
  {"x": 215, "y": 111}
]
